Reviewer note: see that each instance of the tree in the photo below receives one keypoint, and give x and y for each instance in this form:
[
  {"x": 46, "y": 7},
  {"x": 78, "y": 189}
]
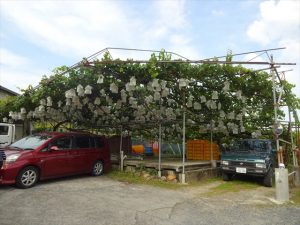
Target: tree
[{"x": 110, "y": 93}]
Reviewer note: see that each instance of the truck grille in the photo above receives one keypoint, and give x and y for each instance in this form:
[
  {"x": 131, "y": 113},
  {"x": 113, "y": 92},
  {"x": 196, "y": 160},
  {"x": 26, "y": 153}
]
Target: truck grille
[{"x": 242, "y": 164}]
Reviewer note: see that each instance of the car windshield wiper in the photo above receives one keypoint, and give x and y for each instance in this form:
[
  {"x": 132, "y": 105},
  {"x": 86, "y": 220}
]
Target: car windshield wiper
[
  {"x": 15, "y": 147},
  {"x": 28, "y": 148}
]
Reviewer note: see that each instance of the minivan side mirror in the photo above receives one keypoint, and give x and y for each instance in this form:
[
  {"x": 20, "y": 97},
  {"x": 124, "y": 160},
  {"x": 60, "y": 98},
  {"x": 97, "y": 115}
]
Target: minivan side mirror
[{"x": 54, "y": 148}]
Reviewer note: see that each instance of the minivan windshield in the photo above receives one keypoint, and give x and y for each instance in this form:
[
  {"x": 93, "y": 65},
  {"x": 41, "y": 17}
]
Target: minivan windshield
[
  {"x": 251, "y": 145},
  {"x": 30, "y": 142}
]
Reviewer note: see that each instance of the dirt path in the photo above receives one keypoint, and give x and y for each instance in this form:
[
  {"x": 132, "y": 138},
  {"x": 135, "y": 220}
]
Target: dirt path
[
  {"x": 255, "y": 196},
  {"x": 103, "y": 201}
]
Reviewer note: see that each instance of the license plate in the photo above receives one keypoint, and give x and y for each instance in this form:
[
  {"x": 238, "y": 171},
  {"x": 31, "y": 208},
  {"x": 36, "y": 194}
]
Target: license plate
[{"x": 241, "y": 170}]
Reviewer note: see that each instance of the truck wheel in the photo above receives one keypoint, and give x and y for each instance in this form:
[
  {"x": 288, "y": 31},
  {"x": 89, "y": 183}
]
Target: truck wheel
[
  {"x": 226, "y": 176},
  {"x": 268, "y": 178},
  {"x": 27, "y": 177}
]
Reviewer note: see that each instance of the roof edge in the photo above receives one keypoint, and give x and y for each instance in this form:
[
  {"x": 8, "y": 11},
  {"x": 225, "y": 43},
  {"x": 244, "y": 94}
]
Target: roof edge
[{"x": 8, "y": 90}]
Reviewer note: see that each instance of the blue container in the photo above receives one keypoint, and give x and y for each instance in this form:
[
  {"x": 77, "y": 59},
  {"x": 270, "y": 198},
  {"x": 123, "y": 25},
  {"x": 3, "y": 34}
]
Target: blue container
[{"x": 148, "y": 150}]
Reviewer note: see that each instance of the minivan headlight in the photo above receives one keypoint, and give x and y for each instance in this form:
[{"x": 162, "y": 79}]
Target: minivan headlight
[
  {"x": 226, "y": 163},
  {"x": 260, "y": 165},
  {"x": 12, "y": 158}
]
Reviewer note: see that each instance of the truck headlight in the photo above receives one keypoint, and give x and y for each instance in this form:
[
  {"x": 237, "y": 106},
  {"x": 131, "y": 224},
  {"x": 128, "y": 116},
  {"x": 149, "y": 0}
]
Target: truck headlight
[
  {"x": 260, "y": 165},
  {"x": 12, "y": 158},
  {"x": 226, "y": 163}
]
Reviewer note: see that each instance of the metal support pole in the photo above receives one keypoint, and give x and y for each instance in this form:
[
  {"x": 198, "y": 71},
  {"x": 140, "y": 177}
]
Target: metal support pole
[
  {"x": 159, "y": 139},
  {"x": 183, "y": 149},
  {"x": 292, "y": 141},
  {"x": 211, "y": 140},
  {"x": 121, "y": 151},
  {"x": 281, "y": 174},
  {"x": 159, "y": 151},
  {"x": 213, "y": 162},
  {"x": 274, "y": 100}
]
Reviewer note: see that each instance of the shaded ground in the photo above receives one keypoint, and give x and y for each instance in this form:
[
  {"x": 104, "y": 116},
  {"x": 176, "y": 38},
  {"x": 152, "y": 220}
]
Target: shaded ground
[{"x": 101, "y": 200}]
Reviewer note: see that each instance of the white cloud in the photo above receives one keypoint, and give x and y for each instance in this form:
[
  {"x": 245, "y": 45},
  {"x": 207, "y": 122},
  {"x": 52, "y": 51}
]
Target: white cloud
[
  {"x": 70, "y": 27},
  {"x": 167, "y": 18},
  {"x": 216, "y": 12},
  {"x": 171, "y": 25},
  {"x": 14, "y": 78},
  {"x": 13, "y": 72},
  {"x": 257, "y": 32},
  {"x": 17, "y": 71},
  {"x": 277, "y": 20},
  {"x": 171, "y": 13},
  {"x": 8, "y": 58},
  {"x": 254, "y": 57},
  {"x": 81, "y": 28},
  {"x": 279, "y": 25},
  {"x": 178, "y": 39},
  {"x": 77, "y": 29},
  {"x": 181, "y": 45}
]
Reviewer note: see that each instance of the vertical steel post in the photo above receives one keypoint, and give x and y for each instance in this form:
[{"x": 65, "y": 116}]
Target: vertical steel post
[
  {"x": 159, "y": 139},
  {"x": 292, "y": 141},
  {"x": 183, "y": 149},
  {"x": 121, "y": 151},
  {"x": 183, "y": 139},
  {"x": 159, "y": 151},
  {"x": 212, "y": 161},
  {"x": 281, "y": 174},
  {"x": 211, "y": 140},
  {"x": 275, "y": 101}
]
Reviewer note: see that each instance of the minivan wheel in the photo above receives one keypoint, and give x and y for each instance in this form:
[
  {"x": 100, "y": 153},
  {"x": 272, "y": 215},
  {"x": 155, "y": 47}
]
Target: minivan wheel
[
  {"x": 268, "y": 178},
  {"x": 27, "y": 177},
  {"x": 97, "y": 168}
]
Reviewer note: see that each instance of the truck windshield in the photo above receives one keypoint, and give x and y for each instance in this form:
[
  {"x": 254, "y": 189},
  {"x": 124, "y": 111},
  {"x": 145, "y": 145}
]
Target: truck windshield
[
  {"x": 3, "y": 130},
  {"x": 251, "y": 145},
  {"x": 30, "y": 142}
]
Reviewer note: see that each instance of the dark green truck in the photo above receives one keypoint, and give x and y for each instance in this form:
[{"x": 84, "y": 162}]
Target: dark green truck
[{"x": 253, "y": 157}]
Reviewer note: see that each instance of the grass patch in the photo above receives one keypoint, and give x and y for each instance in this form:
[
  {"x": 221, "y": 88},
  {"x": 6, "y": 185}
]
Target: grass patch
[
  {"x": 232, "y": 186},
  {"x": 204, "y": 181},
  {"x": 213, "y": 179},
  {"x": 137, "y": 178},
  {"x": 295, "y": 196}
]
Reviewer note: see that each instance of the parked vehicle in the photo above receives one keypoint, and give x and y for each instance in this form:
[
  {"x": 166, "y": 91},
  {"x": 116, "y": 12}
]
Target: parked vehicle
[
  {"x": 254, "y": 157},
  {"x": 51, "y": 155},
  {"x": 10, "y": 133}
]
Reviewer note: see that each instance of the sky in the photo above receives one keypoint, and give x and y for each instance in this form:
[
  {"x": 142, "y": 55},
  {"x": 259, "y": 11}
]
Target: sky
[{"x": 38, "y": 36}]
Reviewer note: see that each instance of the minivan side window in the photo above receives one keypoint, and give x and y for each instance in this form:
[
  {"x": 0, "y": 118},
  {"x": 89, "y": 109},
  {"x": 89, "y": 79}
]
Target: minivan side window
[
  {"x": 62, "y": 143},
  {"x": 99, "y": 142},
  {"x": 92, "y": 142},
  {"x": 82, "y": 141}
]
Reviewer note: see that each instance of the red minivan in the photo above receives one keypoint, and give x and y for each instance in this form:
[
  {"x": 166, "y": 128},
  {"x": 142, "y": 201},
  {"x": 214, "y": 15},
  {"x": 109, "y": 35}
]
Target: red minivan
[{"x": 51, "y": 155}]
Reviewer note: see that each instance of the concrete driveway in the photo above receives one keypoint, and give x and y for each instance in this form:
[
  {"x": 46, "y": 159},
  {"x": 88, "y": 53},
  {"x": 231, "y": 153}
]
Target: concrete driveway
[{"x": 101, "y": 200}]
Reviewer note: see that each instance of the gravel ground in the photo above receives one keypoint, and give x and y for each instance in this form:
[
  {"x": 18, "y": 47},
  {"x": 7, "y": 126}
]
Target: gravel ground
[{"x": 101, "y": 200}]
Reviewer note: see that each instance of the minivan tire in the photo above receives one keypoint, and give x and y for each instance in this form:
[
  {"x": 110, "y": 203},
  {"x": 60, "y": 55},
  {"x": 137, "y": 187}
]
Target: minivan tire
[
  {"x": 97, "y": 168},
  {"x": 268, "y": 178},
  {"x": 27, "y": 177}
]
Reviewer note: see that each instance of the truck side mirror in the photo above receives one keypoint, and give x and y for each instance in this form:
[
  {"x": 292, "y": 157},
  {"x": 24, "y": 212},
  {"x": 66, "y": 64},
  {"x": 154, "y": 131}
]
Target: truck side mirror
[{"x": 274, "y": 151}]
